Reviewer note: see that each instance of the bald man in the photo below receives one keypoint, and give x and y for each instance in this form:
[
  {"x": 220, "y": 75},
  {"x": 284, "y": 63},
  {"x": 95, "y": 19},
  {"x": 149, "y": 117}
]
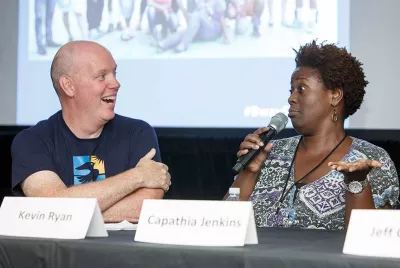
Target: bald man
[{"x": 86, "y": 150}]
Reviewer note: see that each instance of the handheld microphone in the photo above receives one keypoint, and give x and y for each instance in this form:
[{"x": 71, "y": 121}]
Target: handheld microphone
[{"x": 278, "y": 122}]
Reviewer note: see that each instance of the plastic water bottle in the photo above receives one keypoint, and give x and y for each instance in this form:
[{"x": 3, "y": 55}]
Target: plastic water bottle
[{"x": 234, "y": 194}]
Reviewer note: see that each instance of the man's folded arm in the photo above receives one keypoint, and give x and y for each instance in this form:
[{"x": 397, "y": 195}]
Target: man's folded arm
[
  {"x": 108, "y": 192},
  {"x": 130, "y": 206}
]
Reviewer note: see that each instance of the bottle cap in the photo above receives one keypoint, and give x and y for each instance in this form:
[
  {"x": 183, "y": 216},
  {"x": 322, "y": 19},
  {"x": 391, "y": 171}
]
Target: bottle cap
[{"x": 234, "y": 191}]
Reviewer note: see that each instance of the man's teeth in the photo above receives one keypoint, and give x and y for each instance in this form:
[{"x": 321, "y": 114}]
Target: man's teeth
[{"x": 109, "y": 98}]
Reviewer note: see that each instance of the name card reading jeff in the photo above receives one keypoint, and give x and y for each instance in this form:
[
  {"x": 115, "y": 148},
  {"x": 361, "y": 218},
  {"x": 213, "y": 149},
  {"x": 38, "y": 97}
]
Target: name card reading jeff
[
  {"x": 373, "y": 232},
  {"x": 193, "y": 222},
  {"x": 39, "y": 216},
  {"x": 385, "y": 232}
]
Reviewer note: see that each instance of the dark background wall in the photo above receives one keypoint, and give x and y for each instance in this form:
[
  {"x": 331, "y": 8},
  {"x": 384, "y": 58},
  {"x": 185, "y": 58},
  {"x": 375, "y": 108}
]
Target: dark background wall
[{"x": 200, "y": 160}]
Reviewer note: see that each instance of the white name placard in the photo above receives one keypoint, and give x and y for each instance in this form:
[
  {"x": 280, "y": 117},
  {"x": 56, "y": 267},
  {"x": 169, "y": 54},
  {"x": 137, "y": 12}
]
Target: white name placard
[
  {"x": 44, "y": 217},
  {"x": 197, "y": 223},
  {"x": 373, "y": 232}
]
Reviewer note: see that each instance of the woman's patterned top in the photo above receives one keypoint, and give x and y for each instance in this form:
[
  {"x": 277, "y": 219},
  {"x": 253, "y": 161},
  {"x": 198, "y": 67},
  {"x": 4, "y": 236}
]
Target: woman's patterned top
[{"x": 320, "y": 204}]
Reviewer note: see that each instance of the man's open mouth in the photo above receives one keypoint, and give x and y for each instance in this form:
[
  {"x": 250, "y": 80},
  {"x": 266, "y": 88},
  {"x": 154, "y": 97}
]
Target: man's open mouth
[{"x": 109, "y": 99}]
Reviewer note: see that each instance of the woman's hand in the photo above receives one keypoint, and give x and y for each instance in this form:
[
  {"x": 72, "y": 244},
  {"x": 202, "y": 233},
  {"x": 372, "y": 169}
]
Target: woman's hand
[
  {"x": 253, "y": 141},
  {"x": 355, "y": 171}
]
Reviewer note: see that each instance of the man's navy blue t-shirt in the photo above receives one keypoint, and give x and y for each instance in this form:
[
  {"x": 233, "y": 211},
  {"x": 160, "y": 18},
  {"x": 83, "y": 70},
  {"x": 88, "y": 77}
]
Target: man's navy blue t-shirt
[{"x": 50, "y": 145}]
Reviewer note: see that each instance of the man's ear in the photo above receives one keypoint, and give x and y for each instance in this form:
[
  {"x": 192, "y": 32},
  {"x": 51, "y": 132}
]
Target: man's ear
[{"x": 67, "y": 85}]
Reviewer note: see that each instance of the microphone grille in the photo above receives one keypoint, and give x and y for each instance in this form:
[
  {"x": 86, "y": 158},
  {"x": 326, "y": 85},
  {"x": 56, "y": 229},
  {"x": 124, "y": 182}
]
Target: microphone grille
[{"x": 278, "y": 122}]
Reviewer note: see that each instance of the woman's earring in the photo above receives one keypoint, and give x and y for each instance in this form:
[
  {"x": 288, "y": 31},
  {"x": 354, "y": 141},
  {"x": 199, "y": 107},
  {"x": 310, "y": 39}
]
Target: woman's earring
[{"x": 334, "y": 116}]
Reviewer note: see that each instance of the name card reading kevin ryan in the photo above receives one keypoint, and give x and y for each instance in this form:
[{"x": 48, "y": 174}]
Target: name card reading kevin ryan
[
  {"x": 198, "y": 223},
  {"x": 45, "y": 217},
  {"x": 40, "y": 216},
  {"x": 373, "y": 232}
]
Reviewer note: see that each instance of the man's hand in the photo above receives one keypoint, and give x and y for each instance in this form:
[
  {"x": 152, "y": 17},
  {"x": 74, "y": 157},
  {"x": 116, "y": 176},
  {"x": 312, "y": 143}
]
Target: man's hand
[{"x": 154, "y": 174}]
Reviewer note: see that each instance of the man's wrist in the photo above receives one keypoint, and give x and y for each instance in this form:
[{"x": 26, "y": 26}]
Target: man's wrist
[
  {"x": 137, "y": 177},
  {"x": 133, "y": 179}
]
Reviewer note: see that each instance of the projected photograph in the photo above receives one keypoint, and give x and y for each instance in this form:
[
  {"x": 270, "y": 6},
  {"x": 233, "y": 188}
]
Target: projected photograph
[{"x": 147, "y": 29}]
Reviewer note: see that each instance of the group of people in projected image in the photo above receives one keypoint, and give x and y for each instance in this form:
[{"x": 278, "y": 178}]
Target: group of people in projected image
[{"x": 169, "y": 24}]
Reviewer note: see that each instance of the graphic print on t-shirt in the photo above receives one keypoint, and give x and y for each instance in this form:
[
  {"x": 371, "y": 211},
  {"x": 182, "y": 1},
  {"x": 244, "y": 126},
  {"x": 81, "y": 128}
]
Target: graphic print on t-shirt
[{"x": 87, "y": 169}]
